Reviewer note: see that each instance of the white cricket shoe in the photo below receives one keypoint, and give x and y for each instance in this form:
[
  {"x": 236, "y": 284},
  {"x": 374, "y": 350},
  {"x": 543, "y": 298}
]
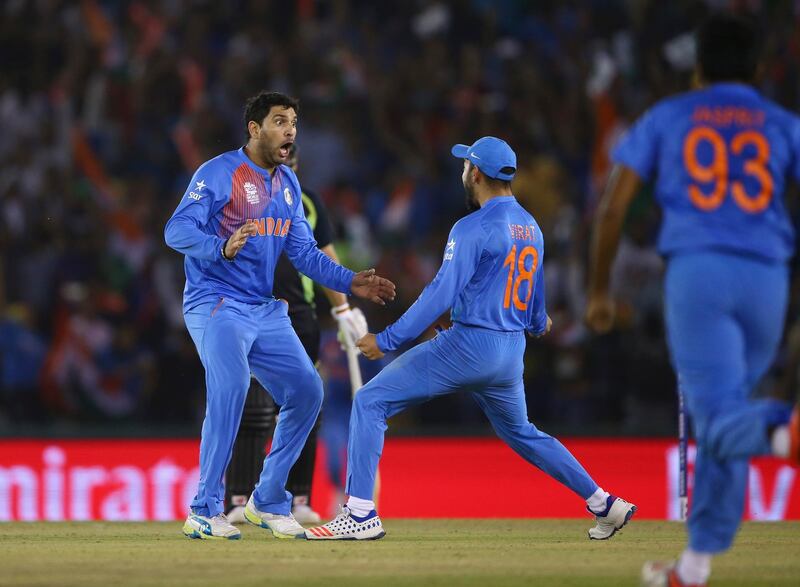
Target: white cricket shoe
[
  {"x": 216, "y": 527},
  {"x": 236, "y": 515},
  {"x": 663, "y": 574},
  {"x": 618, "y": 512},
  {"x": 305, "y": 515},
  {"x": 280, "y": 526},
  {"x": 346, "y": 526}
]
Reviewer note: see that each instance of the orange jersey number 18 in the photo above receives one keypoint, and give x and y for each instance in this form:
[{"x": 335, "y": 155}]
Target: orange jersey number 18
[{"x": 523, "y": 274}]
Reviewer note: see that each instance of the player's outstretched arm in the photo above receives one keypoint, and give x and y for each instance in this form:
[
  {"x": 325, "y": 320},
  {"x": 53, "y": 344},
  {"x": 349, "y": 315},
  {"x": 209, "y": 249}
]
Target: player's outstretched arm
[
  {"x": 623, "y": 185},
  {"x": 335, "y": 298},
  {"x": 461, "y": 258},
  {"x": 301, "y": 248}
]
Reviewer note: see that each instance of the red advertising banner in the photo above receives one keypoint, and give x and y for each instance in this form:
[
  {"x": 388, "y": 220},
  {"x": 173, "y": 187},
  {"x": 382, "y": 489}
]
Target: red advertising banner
[{"x": 422, "y": 477}]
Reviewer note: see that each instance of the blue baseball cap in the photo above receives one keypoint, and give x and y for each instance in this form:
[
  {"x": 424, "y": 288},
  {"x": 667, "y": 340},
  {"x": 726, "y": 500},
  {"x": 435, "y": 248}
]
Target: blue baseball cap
[{"x": 490, "y": 155}]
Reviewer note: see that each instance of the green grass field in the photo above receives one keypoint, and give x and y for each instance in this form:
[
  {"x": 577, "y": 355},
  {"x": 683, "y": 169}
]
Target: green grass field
[{"x": 415, "y": 552}]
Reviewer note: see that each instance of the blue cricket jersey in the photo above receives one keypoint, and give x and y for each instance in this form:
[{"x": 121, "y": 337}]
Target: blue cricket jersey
[
  {"x": 226, "y": 192},
  {"x": 491, "y": 276},
  {"x": 721, "y": 157}
]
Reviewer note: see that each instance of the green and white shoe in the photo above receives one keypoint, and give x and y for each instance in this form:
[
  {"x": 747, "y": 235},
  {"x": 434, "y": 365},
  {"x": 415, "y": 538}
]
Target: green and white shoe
[
  {"x": 280, "y": 526},
  {"x": 215, "y": 528}
]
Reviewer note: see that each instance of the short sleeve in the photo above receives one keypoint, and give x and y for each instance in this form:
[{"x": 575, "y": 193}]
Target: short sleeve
[{"x": 637, "y": 149}]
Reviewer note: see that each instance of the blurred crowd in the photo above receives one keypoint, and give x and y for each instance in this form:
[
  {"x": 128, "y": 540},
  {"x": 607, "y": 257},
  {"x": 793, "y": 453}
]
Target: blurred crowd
[{"x": 107, "y": 107}]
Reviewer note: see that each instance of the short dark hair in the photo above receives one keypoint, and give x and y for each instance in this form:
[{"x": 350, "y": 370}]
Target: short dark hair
[
  {"x": 492, "y": 181},
  {"x": 257, "y": 108},
  {"x": 728, "y": 48}
]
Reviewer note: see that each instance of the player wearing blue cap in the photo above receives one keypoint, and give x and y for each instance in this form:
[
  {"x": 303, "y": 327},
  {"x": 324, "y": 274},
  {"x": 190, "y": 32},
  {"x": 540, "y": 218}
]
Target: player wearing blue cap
[
  {"x": 491, "y": 277},
  {"x": 241, "y": 210},
  {"x": 720, "y": 157}
]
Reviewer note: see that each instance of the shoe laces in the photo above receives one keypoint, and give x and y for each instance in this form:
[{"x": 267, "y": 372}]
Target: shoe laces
[{"x": 221, "y": 519}]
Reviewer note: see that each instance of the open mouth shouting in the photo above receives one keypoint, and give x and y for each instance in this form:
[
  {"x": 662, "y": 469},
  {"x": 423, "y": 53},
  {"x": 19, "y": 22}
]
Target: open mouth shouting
[{"x": 284, "y": 149}]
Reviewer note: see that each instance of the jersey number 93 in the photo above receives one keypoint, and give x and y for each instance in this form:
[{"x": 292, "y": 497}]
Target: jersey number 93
[{"x": 717, "y": 171}]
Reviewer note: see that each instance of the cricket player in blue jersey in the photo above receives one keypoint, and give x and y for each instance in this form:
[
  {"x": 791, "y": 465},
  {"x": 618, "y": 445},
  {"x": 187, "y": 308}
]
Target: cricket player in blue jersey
[
  {"x": 720, "y": 157},
  {"x": 241, "y": 210},
  {"x": 491, "y": 276}
]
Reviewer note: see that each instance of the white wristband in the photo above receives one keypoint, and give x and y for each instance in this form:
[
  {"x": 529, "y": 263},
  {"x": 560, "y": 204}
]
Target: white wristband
[{"x": 335, "y": 311}]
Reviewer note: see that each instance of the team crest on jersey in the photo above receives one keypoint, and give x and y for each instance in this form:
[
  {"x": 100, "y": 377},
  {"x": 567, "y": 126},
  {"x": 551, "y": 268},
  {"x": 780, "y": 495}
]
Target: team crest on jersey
[
  {"x": 251, "y": 192},
  {"x": 287, "y": 195}
]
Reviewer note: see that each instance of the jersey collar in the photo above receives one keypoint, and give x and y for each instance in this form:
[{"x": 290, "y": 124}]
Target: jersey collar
[
  {"x": 498, "y": 200},
  {"x": 734, "y": 87},
  {"x": 250, "y": 162}
]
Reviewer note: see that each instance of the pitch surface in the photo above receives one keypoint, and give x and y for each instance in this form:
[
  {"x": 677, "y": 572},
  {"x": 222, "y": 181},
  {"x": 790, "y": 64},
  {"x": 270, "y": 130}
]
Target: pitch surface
[{"x": 415, "y": 552}]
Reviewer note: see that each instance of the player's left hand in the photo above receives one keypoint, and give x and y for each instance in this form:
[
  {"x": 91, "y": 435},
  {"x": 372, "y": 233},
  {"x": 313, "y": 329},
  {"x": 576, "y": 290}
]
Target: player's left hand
[
  {"x": 352, "y": 323},
  {"x": 368, "y": 346},
  {"x": 547, "y": 326},
  {"x": 372, "y": 287}
]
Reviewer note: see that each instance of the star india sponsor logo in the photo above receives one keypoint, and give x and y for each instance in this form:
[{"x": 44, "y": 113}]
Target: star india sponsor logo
[
  {"x": 450, "y": 250},
  {"x": 196, "y": 195},
  {"x": 251, "y": 192}
]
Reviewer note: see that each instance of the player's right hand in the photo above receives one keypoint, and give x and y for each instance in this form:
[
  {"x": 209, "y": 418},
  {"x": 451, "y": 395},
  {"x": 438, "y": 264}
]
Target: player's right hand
[
  {"x": 368, "y": 345},
  {"x": 600, "y": 313},
  {"x": 238, "y": 239},
  {"x": 372, "y": 287}
]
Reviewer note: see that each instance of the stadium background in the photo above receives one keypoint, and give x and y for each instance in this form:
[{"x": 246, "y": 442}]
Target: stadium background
[{"x": 106, "y": 108}]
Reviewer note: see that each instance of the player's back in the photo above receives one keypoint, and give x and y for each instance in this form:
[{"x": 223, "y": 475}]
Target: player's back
[
  {"x": 721, "y": 157},
  {"x": 506, "y": 291}
]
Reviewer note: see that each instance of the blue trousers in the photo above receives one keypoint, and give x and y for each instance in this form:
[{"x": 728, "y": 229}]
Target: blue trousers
[
  {"x": 724, "y": 316},
  {"x": 235, "y": 340},
  {"x": 488, "y": 365}
]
